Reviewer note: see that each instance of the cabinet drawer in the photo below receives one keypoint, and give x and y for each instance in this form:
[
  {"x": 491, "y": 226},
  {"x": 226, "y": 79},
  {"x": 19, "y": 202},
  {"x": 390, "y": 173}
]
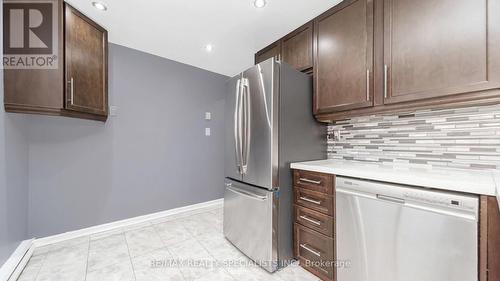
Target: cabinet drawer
[
  {"x": 315, "y": 251},
  {"x": 314, "y": 200},
  {"x": 313, "y": 181},
  {"x": 314, "y": 220}
]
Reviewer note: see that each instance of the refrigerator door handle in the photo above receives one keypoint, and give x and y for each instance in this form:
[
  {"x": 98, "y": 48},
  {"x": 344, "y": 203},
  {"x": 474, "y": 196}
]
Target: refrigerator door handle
[
  {"x": 246, "y": 193},
  {"x": 237, "y": 127},
  {"x": 247, "y": 117}
]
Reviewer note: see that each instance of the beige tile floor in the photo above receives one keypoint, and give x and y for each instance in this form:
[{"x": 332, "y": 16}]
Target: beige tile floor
[{"x": 145, "y": 252}]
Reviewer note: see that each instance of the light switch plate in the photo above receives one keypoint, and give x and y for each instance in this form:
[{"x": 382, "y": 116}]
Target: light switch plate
[
  {"x": 113, "y": 110},
  {"x": 207, "y": 132},
  {"x": 208, "y": 116}
]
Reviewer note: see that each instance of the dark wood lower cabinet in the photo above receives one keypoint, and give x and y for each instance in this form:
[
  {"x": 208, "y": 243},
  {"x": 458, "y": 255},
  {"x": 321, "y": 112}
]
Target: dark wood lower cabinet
[
  {"x": 314, "y": 220},
  {"x": 489, "y": 240},
  {"x": 314, "y": 227},
  {"x": 314, "y": 230},
  {"x": 315, "y": 251}
]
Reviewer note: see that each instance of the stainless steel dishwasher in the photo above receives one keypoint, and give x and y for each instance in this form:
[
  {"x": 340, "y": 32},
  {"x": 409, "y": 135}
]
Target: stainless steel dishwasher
[{"x": 388, "y": 232}]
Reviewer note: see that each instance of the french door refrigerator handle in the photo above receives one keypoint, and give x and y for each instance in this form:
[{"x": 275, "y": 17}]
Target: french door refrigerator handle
[
  {"x": 245, "y": 151},
  {"x": 237, "y": 127}
]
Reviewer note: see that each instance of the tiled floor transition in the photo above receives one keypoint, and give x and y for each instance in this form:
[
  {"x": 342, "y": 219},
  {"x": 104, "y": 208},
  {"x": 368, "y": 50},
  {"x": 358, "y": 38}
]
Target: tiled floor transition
[{"x": 176, "y": 248}]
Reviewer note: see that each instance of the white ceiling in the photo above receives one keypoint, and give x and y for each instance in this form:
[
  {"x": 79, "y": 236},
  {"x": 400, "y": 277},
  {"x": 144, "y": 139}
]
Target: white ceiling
[{"x": 180, "y": 29}]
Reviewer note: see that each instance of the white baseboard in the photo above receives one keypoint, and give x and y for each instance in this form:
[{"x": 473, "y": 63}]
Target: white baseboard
[
  {"x": 13, "y": 267},
  {"x": 196, "y": 208}
]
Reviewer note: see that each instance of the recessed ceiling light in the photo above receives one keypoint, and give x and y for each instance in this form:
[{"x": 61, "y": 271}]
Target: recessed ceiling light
[
  {"x": 99, "y": 6},
  {"x": 259, "y": 3},
  {"x": 209, "y": 48}
]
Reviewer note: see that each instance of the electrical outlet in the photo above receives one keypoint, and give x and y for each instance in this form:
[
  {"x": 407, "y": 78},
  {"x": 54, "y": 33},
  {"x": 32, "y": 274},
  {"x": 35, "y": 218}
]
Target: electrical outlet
[
  {"x": 208, "y": 116},
  {"x": 207, "y": 132},
  {"x": 336, "y": 135}
]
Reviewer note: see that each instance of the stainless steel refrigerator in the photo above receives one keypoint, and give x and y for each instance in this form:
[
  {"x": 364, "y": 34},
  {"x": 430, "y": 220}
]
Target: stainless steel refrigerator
[{"x": 269, "y": 124}]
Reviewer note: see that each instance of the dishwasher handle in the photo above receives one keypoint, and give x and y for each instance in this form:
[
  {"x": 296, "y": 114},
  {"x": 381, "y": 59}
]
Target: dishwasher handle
[
  {"x": 391, "y": 199},
  {"x": 468, "y": 215}
]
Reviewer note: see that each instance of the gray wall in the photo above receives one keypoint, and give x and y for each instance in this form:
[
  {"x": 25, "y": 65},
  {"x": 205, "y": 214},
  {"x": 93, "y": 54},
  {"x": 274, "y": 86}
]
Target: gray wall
[
  {"x": 152, "y": 157},
  {"x": 13, "y": 177},
  {"x": 13, "y": 182}
]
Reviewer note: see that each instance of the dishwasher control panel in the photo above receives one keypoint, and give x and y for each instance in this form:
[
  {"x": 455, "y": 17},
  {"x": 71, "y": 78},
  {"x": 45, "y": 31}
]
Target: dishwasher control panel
[
  {"x": 409, "y": 195},
  {"x": 438, "y": 198}
]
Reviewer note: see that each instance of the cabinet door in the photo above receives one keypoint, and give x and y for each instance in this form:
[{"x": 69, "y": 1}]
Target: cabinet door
[
  {"x": 436, "y": 48},
  {"x": 297, "y": 48},
  {"x": 86, "y": 64},
  {"x": 273, "y": 50},
  {"x": 493, "y": 240},
  {"x": 344, "y": 57}
]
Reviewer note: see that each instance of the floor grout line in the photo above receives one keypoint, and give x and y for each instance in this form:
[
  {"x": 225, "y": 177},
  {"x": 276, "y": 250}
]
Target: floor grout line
[
  {"x": 216, "y": 259},
  {"x": 169, "y": 251},
  {"x": 187, "y": 225},
  {"x": 87, "y": 264},
  {"x": 39, "y": 269},
  {"x": 129, "y": 255}
]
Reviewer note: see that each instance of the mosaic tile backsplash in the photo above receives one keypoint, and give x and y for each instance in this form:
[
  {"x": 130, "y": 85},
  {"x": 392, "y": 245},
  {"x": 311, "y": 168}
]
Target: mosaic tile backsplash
[{"x": 458, "y": 138}]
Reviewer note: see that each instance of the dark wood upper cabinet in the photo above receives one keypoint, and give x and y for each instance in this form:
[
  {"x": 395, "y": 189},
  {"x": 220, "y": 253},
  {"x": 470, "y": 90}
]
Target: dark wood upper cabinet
[
  {"x": 297, "y": 48},
  {"x": 343, "y": 65},
  {"x": 86, "y": 72},
  {"x": 437, "y": 48},
  {"x": 273, "y": 50},
  {"x": 78, "y": 87},
  {"x": 389, "y": 56}
]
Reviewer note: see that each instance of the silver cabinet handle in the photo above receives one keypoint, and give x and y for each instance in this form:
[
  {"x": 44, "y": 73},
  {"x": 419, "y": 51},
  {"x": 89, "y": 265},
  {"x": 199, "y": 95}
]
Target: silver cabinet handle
[
  {"x": 71, "y": 89},
  {"x": 310, "y": 181},
  {"x": 311, "y": 200},
  {"x": 311, "y": 220},
  {"x": 246, "y": 193},
  {"x": 237, "y": 126},
  {"x": 314, "y": 252},
  {"x": 386, "y": 70},
  {"x": 367, "y": 84}
]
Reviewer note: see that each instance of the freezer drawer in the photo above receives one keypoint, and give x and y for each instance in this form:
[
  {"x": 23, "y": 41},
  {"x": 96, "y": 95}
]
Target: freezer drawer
[{"x": 248, "y": 222}]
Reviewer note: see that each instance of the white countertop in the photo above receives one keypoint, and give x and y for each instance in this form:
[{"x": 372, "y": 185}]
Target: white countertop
[{"x": 461, "y": 180}]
